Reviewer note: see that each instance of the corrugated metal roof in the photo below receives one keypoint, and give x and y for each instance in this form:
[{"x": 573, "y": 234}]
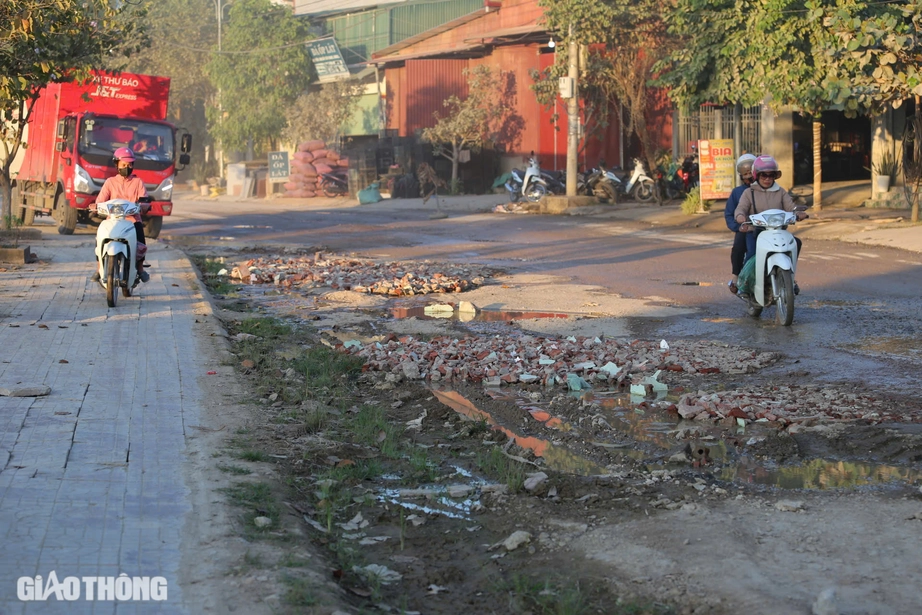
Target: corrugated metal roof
[
  {"x": 328, "y": 7},
  {"x": 449, "y": 25},
  {"x": 508, "y": 33},
  {"x": 457, "y": 51}
]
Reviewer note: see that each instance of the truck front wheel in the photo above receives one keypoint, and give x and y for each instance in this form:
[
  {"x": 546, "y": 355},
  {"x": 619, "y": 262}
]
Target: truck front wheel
[
  {"x": 152, "y": 227},
  {"x": 64, "y": 215},
  {"x": 26, "y": 213}
]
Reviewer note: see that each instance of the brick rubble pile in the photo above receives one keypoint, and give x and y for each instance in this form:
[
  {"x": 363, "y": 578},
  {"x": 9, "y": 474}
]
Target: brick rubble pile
[
  {"x": 395, "y": 279},
  {"x": 788, "y": 405},
  {"x": 546, "y": 360}
]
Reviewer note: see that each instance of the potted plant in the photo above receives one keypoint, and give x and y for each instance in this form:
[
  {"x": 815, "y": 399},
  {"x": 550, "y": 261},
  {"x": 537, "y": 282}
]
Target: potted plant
[{"x": 886, "y": 168}]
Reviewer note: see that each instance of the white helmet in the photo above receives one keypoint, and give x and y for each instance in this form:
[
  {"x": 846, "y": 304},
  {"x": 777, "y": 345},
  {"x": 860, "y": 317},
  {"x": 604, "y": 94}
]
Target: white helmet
[{"x": 743, "y": 161}]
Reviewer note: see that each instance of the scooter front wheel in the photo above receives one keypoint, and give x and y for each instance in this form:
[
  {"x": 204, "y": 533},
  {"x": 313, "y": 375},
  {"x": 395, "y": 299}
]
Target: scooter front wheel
[
  {"x": 113, "y": 276},
  {"x": 535, "y": 192},
  {"x": 784, "y": 282},
  {"x": 644, "y": 191}
]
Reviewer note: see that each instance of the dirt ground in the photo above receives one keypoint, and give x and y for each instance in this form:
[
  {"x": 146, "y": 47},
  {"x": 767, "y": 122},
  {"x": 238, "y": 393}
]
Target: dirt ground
[{"x": 625, "y": 507}]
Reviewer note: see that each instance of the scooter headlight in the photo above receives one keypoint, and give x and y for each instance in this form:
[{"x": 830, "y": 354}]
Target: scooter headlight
[
  {"x": 775, "y": 219},
  {"x": 116, "y": 209}
]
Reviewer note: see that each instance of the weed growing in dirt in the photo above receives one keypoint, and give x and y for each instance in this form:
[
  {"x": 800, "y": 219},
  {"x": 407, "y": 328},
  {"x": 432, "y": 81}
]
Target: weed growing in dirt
[
  {"x": 251, "y": 455},
  {"x": 209, "y": 268},
  {"x": 422, "y": 468},
  {"x": 299, "y": 593},
  {"x": 258, "y": 501},
  {"x": 370, "y": 427},
  {"x": 232, "y": 469},
  {"x": 496, "y": 465}
]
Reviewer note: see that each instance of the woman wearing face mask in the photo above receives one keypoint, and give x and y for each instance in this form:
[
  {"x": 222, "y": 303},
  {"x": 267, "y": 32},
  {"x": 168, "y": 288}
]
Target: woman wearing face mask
[
  {"x": 130, "y": 187},
  {"x": 764, "y": 194}
]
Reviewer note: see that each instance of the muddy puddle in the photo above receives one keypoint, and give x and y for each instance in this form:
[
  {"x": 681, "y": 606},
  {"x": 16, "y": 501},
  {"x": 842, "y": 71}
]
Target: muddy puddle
[
  {"x": 447, "y": 312},
  {"x": 665, "y": 432}
]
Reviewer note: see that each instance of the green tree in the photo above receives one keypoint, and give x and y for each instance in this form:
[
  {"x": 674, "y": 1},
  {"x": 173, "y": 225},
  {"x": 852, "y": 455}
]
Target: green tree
[
  {"x": 262, "y": 69},
  {"x": 877, "y": 64},
  {"x": 625, "y": 40},
  {"x": 47, "y": 41},
  {"x": 182, "y": 37},
  {"x": 812, "y": 55},
  {"x": 469, "y": 122},
  {"x": 321, "y": 113}
]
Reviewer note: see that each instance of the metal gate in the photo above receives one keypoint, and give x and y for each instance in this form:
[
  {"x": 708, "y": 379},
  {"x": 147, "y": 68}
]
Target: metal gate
[{"x": 718, "y": 122}]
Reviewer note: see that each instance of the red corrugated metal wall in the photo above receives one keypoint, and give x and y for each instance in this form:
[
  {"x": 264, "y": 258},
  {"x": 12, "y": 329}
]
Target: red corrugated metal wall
[{"x": 428, "y": 84}]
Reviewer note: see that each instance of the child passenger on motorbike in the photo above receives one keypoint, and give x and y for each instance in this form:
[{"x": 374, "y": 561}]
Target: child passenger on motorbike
[
  {"x": 761, "y": 196},
  {"x": 130, "y": 187},
  {"x": 738, "y": 251}
]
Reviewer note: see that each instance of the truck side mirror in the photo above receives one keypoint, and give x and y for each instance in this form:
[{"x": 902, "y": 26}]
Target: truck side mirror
[
  {"x": 186, "y": 145},
  {"x": 184, "y": 159}
]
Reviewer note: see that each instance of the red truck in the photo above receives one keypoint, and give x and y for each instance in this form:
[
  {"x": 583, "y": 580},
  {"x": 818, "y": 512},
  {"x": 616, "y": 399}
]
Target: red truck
[{"x": 72, "y": 132}]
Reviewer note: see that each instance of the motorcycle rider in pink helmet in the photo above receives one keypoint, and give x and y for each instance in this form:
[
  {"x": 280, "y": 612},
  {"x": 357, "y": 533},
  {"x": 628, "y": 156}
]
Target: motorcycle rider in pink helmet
[
  {"x": 130, "y": 187},
  {"x": 764, "y": 194}
]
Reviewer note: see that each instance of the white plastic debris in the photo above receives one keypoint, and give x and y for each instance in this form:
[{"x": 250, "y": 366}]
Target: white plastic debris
[
  {"x": 663, "y": 345},
  {"x": 356, "y": 523},
  {"x": 376, "y": 571}
]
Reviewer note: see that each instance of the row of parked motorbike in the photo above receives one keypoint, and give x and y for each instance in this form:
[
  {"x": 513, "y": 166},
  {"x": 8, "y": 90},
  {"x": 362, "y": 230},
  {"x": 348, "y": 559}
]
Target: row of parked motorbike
[{"x": 611, "y": 184}]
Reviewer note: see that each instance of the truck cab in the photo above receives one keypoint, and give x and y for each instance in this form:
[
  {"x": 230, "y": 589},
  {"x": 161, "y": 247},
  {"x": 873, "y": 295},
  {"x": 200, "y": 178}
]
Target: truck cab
[
  {"x": 72, "y": 133},
  {"x": 86, "y": 146}
]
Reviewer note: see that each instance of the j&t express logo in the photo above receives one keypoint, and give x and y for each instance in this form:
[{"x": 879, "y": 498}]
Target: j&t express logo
[{"x": 122, "y": 588}]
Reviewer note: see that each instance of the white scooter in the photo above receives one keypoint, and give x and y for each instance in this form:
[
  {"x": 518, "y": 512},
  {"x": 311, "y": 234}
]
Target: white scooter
[
  {"x": 530, "y": 185},
  {"x": 775, "y": 265},
  {"x": 117, "y": 248},
  {"x": 640, "y": 186}
]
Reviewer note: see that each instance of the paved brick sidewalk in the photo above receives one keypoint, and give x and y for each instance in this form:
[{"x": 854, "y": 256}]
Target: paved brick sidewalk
[{"x": 91, "y": 477}]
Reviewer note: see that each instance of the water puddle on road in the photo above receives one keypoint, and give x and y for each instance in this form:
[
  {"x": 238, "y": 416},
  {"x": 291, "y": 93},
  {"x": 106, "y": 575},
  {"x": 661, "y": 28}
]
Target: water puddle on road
[
  {"x": 658, "y": 428},
  {"x": 820, "y": 474},
  {"x": 900, "y": 346},
  {"x": 446, "y": 312}
]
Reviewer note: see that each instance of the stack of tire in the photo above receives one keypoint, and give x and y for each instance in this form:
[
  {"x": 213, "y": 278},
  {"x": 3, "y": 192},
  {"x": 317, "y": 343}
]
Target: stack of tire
[{"x": 311, "y": 159}]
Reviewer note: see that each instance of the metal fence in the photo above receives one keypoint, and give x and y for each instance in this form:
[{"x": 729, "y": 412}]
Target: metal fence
[{"x": 716, "y": 122}]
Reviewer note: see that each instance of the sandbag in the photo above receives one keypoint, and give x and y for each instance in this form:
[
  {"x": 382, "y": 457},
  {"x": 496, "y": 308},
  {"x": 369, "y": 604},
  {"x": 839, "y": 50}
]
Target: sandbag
[
  {"x": 308, "y": 146},
  {"x": 291, "y": 186},
  {"x": 309, "y": 194},
  {"x": 332, "y": 156},
  {"x": 324, "y": 160},
  {"x": 319, "y": 153},
  {"x": 305, "y": 168},
  {"x": 747, "y": 277},
  {"x": 343, "y": 162},
  {"x": 303, "y": 156},
  {"x": 323, "y": 168}
]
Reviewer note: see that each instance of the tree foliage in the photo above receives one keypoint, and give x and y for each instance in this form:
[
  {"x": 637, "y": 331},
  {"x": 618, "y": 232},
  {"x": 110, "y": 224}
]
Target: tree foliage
[
  {"x": 321, "y": 112},
  {"x": 262, "y": 70},
  {"x": 469, "y": 122},
  {"x": 625, "y": 41},
  {"x": 182, "y": 34},
  {"x": 47, "y": 41}
]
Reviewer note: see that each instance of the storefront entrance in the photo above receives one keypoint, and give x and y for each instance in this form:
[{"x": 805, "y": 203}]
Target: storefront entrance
[{"x": 846, "y": 148}]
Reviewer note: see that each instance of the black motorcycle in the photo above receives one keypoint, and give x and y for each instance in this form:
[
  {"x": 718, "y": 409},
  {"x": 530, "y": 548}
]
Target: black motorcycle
[{"x": 334, "y": 184}]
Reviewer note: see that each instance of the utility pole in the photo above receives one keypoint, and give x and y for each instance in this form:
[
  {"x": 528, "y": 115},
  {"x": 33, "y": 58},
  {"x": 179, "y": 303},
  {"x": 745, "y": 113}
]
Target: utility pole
[{"x": 572, "y": 114}]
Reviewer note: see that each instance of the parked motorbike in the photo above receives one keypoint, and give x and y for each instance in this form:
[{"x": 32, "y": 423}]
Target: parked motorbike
[
  {"x": 117, "y": 248},
  {"x": 775, "y": 263},
  {"x": 670, "y": 181},
  {"x": 640, "y": 186},
  {"x": 334, "y": 184},
  {"x": 556, "y": 181},
  {"x": 690, "y": 170},
  {"x": 529, "y": 184}
]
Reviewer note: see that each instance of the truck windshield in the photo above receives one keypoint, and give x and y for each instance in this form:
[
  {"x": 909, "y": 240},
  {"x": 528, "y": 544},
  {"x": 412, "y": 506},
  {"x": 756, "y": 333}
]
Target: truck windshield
[{"x": 151, "y": 143}]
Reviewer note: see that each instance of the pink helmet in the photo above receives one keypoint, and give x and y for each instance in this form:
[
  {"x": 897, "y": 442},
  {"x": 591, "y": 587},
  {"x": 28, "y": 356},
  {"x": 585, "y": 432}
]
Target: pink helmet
[
  {"x": 124, "y": 154},
  {"x": 765, "y": 164}
]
